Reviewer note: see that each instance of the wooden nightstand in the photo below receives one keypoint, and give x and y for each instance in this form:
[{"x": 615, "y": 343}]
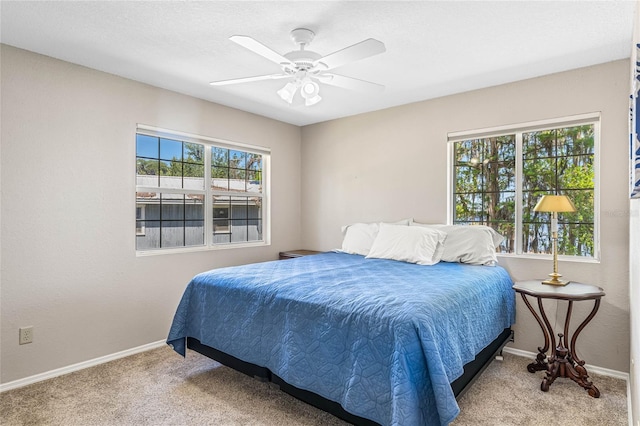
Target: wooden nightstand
[
  {"x": 291, "y": 254},
  {"x": 563, "y": 360}
]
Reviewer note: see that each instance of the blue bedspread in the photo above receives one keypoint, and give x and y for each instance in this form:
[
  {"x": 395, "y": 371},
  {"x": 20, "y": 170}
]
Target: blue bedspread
[{"x": 383, "y": 338}]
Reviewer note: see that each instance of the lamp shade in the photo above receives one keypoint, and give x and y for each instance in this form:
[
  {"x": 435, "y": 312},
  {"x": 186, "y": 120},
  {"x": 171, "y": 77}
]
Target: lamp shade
[{"x": 554, "y": 203}]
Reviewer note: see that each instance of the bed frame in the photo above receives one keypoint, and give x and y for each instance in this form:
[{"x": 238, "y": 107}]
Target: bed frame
[{"x": 472, "y": 371}]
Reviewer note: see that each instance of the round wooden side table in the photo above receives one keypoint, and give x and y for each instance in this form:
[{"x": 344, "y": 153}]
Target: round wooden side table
[{"x": 563, "y": 360}]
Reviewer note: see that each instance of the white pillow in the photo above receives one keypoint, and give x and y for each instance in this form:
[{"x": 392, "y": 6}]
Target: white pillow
[
  {"x": 473, "y": 244},
  {"x": 408, "y": 244},
  {"x": 359, "y": 237}
]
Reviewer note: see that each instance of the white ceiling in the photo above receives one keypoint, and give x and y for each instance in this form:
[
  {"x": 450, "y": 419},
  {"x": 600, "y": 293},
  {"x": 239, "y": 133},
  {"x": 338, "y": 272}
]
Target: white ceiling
[{"x": 433, "y": 48}]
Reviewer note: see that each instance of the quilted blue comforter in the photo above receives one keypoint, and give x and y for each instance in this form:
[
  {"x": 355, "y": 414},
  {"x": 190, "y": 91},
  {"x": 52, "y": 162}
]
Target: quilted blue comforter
[{"x": 383, "y": 338}]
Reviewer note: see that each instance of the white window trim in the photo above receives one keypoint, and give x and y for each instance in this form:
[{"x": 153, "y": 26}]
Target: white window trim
[
  {"x": 208, "y": 192},
  {"x": 517, "y": 129}
]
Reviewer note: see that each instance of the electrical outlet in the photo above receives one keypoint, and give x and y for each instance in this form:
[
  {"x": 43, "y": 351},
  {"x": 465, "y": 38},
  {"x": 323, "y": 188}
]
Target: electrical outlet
[{"x": 26, "y": 335}]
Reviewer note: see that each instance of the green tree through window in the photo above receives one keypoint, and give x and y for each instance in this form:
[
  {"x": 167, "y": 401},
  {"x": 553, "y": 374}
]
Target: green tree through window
[{"x": 557, "y": 160}]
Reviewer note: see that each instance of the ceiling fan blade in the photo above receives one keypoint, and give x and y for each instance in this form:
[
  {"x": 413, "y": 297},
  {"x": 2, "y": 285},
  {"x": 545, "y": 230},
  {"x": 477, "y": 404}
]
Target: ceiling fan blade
[
  {"x": 356, "y": 52},
  {"x": 262, "y": 50},
  {"x": 249, "y": 79},
  {"x": 350, "y": 83}
]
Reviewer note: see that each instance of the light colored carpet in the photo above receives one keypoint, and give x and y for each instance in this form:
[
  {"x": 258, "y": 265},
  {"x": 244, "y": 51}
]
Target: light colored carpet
[{"x": 158, "y": 387}]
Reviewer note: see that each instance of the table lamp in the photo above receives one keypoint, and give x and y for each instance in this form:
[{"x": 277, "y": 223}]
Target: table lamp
[{"x": 554, "y": 204}]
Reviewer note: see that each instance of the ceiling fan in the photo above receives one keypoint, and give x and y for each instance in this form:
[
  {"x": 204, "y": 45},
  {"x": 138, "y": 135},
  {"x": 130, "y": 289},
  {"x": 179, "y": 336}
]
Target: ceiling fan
[{"x": 305, "y": 68}]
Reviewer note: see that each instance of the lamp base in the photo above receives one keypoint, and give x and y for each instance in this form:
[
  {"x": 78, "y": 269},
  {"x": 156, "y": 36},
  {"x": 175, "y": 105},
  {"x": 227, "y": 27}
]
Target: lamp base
[{"x": 555, "y": 280}]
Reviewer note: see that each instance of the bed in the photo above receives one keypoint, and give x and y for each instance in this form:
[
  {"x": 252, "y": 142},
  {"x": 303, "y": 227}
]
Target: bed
[{"x": 374, "y": 341}]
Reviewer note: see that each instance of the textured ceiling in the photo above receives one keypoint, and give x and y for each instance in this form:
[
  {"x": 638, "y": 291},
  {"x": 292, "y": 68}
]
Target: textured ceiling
[{"x": 433, "y": 48}]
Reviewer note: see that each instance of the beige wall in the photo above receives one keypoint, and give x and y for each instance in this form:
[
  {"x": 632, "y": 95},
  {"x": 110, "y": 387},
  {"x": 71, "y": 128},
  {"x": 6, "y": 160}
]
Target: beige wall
[
  {"x": 69, "y": 266},
  {"x": 392, "y": 164},
  {"x": 68, "y": 259}
]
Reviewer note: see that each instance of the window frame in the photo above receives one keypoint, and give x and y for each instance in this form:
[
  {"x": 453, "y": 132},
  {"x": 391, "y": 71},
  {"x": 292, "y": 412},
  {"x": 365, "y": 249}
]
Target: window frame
[
  {"x": 518, "y": 130},
  {"x": 208, "y": 192}
]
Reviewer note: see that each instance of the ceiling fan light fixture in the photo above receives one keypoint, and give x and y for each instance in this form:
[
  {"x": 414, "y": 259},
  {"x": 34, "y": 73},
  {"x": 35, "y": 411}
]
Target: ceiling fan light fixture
[
  {"x": 312, "y": 101},
  {"x": 309, "y": 88},
  {"x": 288, "y": 92},
  {"x": 309, "y": 92}
]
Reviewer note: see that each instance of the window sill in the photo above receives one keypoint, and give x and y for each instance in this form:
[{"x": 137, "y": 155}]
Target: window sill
[
  {"x": 549, "y": 258},
  {"x": 180, "y": 250}
]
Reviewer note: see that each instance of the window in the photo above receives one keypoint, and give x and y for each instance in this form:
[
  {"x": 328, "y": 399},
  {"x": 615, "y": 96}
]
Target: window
[
  {"x": 193, "y": 191},
  {"x": 500, "y": 174}
]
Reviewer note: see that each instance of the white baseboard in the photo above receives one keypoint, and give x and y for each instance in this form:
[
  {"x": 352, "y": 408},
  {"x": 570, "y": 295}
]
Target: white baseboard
[
  {"x": 79, "y": 366},
  {"x": 591, "y": 368}
]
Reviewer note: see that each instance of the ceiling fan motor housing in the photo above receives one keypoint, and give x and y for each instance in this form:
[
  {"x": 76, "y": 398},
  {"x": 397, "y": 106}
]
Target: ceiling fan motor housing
[
  {"x": 302, "y": 36},
  {"x": 304, "y": 59}
]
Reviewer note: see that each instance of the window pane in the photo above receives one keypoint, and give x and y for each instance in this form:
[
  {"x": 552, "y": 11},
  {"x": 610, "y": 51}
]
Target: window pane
[
  {"x": 172, "y": 207},
  {"x": 501, "y": 207},
  {"x": 569, "y": 171},
  {"x": 254, "y": 230},
  {"x": 503, "y": 174},
  {"x": 576, "y": 172},
  {"x": 575, "y": 239},
  {"x": 539, "y": 144},
  {"x": 529, "y": 201},
  {"x": 254, "y": 181},
  {"x": 237, "y": 180},
  {"x": 170, "y": 174},
  {"x": 172, "y": 233},
  {"x": 239, "y": 208},
  {"x": 485, "y": 184},
  {"x": 221, "y": 212},
  {"x": 255, "y": 208},
  {"x": 469, "y": 208},
  {"x": 219, "y": 157},
  {"x": 193, "y": 176},
  {"x": 237, "y": 159},
  {"x": 575, "y": 140},
  {"x": 583, "y": 200},
  {"x": 222, "y": 238},
  {"x": 194, "y": 207},
  {"x": 536, "y": 238},
  {"x": 193, "y": 153},
  {"x": 254, "y": 161},
  {"x": 152, "y": 211},
  {"x": 239, "y": 218},
  {"x": 151, "y": 237},
  {"x": 221, "y": 226},
  {"x": 507, "y": 230},
  {"x": 146, "y": 146},
  {"x": 237, "y": 174},
  {"x": 220, "y": 179},
  {"x": 469, "y": 179},
  {"x": 194, "y": 233},
  {"x": 146, "y": 172},
  {"x": 539, "y": 174},
  {"x": 238, "y": 230},
  {"x": 170, "y": 150}
]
